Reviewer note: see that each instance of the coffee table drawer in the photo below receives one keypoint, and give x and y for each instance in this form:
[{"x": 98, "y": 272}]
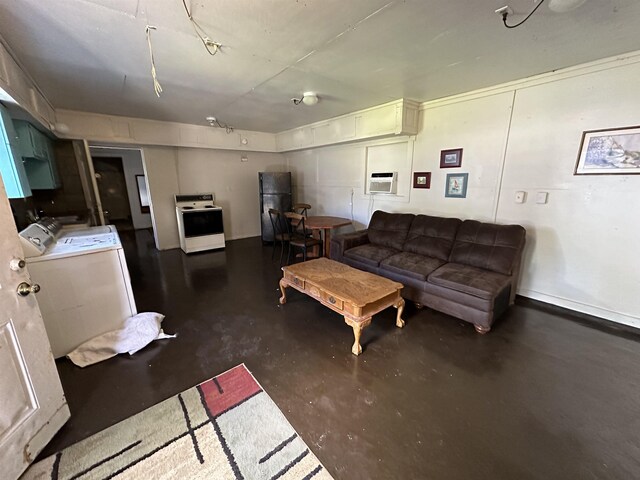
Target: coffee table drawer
[
  {"x": 297, "y": 281},
  {"x": 333, "y": 301}
]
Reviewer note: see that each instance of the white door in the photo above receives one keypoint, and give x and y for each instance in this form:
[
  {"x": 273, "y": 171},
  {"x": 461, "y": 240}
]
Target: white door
[{"x": 32, "y": 403}]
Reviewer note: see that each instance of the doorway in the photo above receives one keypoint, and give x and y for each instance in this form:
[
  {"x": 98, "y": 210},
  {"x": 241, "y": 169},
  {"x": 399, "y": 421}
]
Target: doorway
[
  {"x": 112, "y": 186},
  {"x": 136, "y": 193}
]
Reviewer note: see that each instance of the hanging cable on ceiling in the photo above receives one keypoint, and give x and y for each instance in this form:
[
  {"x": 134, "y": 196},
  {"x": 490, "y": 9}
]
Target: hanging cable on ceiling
[
  {"x": 505, "y": 14},
  {"x": 209, "y": 45},
  {"x": 156, "y": 84}
]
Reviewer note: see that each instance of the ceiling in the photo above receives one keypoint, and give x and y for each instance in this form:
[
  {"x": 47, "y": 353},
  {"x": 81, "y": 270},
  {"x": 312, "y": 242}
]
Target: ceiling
[{"x": 92, "y": 55}]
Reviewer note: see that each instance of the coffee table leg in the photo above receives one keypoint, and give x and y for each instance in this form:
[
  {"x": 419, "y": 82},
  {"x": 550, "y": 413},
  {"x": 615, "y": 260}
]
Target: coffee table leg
[
  {"x": 283, "y": 285},
  {"x": 356, "y": 349},
  {"x": 400, "y": 307}
]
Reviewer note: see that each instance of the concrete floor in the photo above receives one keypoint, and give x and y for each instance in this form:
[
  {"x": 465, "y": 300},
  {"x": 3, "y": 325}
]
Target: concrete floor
[{"x": 545, "y": 395}]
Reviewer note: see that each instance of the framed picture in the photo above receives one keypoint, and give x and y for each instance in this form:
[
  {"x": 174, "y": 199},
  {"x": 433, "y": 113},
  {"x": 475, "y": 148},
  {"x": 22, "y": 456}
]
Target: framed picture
[
  {"x": 456, "y": 185},
  {"x": 451, "y": 158},
  {"x": 610, "y": 151},
  {"x": 421, "y": 179}
]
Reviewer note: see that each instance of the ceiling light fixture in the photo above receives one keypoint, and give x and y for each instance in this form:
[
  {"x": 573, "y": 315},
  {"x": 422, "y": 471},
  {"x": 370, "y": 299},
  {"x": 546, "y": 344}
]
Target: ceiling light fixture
[
  {"x": 308, "y": 98},
  {"x": 559, "y": 6},
  {"x": 213, "y": 122}
]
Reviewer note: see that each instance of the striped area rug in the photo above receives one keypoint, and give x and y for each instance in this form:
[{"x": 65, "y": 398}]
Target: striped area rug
[{"x": 224, "y": 428}]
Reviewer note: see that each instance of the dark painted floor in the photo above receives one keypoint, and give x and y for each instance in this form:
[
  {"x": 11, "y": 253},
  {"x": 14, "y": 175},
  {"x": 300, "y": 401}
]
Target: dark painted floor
[{"x": 541, "y": 396}]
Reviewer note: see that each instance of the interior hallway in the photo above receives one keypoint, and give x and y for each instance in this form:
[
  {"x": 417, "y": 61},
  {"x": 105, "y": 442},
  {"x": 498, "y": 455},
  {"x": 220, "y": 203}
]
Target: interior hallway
[{"x": 543, "y": 396}]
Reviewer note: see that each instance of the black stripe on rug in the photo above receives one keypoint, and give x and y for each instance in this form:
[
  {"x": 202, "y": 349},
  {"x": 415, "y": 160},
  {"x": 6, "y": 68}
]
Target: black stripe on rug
[
  {"x": 152, "y": 452},
  {"x": 278, "y": 448},
  {"x": 56, "y": 466},
  {"x": 290, "y": 465},
  {"x": 312, "y": 473},
  {"x": 105, "y": 460},
  {"x": 223, "y": 442},
  {"x": 220, "y": 390},
  {"x": 190, "y": 431},
  {"x": 237, "y": 404}
]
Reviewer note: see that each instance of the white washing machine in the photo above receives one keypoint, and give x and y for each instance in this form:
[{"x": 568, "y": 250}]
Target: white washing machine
[{"x": 85, "y": 289}]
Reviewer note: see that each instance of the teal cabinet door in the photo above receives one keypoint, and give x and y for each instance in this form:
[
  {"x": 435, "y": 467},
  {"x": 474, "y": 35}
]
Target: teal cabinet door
[
  {"x": 14, "y": 175},
  {"x": 36, "y": 150}
]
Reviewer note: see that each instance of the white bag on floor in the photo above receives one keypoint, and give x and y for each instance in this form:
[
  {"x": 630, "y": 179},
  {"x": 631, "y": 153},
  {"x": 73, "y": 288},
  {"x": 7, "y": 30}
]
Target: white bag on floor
[{"x": 136, "y": 333}]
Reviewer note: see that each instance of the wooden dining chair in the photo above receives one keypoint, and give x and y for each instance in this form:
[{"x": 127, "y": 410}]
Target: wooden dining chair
[
  {"x": 301, "y": 208},
  {"x": 280, "y": 232},
  {"x": 297, "y": 237}
]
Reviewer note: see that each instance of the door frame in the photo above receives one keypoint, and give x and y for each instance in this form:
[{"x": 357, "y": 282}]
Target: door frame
[{"x": 117, "y": 149}]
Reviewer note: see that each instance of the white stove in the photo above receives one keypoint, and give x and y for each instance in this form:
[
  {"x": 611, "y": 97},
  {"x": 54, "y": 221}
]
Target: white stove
[{"x": 200, "y": 223}]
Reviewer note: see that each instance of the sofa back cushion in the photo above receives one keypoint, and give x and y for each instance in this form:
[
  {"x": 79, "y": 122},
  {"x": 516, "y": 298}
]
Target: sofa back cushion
[
  {"x": 489, "y": 246},
  {"x": 432, "y": 236},
  {"x": 389, "y": 229}
]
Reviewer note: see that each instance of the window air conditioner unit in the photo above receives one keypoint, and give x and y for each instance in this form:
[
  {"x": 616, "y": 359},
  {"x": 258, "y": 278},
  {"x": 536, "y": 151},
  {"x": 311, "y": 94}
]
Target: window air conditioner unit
[{"x": 384, "y": 182}]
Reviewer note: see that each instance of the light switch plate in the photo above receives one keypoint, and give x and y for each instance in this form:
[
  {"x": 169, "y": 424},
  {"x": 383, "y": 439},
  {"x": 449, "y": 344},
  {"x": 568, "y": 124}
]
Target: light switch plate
[
  {"x": 541, "y": 197},
  {"x": 521, "y": 197}
]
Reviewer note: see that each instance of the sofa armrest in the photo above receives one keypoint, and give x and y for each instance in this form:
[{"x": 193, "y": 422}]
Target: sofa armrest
[{"x": 342, "y": 243}]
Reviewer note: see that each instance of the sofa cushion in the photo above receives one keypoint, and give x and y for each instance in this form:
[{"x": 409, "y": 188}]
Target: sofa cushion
[
  {"x": 488, "y": 246},
  {"x": 471, "y": 280},
  {"x": 389, "y": 229},
  {"x": 412, "y": 265},
  {"x": 370, "y": 254},
  {"x": 432, "y": 236}
]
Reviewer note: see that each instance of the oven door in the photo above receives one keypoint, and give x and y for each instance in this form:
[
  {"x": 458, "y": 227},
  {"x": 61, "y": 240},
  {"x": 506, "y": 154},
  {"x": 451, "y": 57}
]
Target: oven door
[{"x": 198, "y": 223}]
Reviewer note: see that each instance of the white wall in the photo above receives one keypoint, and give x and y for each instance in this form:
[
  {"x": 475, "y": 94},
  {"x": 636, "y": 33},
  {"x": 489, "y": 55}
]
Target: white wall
[
  {"x": 580, "y": 245},
  {"x": 234, "y": 182},
  {"x": 327, "y": 177},
  {"x": 132, "y": 163},
  {"x": 162, "y": 179},
  {"x": 191, "y": 170}
]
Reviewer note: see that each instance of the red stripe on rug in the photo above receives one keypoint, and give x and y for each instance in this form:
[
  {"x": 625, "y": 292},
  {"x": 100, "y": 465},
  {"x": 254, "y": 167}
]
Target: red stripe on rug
[{"x": 237, "y": 385}]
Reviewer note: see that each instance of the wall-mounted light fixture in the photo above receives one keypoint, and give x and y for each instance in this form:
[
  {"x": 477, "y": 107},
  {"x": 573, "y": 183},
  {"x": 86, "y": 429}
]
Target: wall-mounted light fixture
[
  {"x": 559, "y": 6},
  {"x": 214, "y": 122},
  {"x": 308, "y": 98}
]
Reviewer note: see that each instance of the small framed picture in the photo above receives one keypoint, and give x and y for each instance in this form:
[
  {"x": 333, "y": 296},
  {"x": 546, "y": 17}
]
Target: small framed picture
[
  {"x": 456, "y": 185},
  {"x": 608, "y": 152},
  {"x": 421, "y": 179},
  {"x": 451, "y": 158}
]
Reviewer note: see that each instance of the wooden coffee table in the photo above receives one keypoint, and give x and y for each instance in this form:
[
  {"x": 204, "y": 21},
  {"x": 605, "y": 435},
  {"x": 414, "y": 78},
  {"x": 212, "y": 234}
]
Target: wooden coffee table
[{"x": 355, "y": 294}]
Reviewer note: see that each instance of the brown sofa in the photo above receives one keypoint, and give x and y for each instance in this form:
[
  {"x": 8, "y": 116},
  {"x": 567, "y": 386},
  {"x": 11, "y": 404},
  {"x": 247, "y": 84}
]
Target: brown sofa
[{"x": 466, "y": 269}]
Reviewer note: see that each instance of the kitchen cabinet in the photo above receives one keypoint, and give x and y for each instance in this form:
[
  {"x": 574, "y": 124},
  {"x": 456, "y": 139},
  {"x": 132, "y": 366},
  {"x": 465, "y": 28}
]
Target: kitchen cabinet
[
  {"x": 33, "y": 144},
  {"x": 37, "y": 152},
  {"x": 391, "y": 119},
  {"x": 12, "y": 168}
]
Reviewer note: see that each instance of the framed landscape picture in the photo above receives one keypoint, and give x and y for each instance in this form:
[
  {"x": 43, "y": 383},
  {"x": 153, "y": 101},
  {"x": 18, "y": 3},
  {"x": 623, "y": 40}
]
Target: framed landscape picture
[
  {"x": 610, "y": 151},
  {"x": 451, "y": 158},
  {"x": 456, "y": 185},
  {"x": 421, "y": 179}
]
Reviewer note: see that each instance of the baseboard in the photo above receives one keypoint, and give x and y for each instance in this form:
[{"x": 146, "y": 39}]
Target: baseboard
[
  {"x": 628, "y": 330},
  {"x": 592, "y": 310}
]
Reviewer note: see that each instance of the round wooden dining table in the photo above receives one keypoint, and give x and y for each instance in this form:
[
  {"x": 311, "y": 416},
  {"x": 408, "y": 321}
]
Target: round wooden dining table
[{"x": 325, "y": 224}]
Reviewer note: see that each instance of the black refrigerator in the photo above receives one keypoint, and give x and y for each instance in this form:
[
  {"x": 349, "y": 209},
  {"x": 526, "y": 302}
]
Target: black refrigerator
[{"x": 275, "y": 192}]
